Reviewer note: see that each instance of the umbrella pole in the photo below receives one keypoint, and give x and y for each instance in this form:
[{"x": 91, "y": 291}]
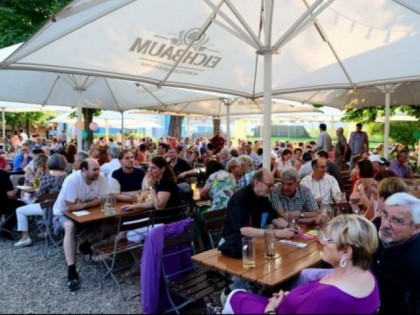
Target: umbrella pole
[
  {"x": 106, "y": 130},
  {"x": 122, "y": 130},
  {"x": 387, "y": 110},
  {"x": 268, "y": 55},
  {"x": 229, "y": 143},
  {"x": 3, "y": 119},
  {"x": 187, "y": 121},
  {"x": 79, "y": 128},
  {"x": 267, "y": 110}
]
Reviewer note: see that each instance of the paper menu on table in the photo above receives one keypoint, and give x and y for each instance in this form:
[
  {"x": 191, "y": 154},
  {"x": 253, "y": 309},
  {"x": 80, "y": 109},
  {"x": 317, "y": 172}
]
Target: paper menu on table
[
  {"x": 81, "y": 213},
  {"x": 293, "y": 243}
]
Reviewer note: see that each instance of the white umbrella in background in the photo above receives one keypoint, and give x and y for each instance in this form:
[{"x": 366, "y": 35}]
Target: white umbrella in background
[
  {"x": 225, "y": 107},
  {"x": 112, "y": 119},
  {"x": 247, "y": 48},
  {"x": 22, "y": 108}
]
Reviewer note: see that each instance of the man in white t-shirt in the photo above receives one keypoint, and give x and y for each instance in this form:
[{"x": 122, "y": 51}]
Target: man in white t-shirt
[{"x": 81, "y": 190}]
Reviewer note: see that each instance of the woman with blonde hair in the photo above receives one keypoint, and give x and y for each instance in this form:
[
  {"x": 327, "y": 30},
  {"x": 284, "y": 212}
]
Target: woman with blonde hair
[{"x": 349, "y": 242}]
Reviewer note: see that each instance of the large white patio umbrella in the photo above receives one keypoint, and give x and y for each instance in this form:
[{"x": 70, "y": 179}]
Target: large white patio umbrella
[
  {"x": 89, "y": 91},
  {"x": 249, "y": 48}
]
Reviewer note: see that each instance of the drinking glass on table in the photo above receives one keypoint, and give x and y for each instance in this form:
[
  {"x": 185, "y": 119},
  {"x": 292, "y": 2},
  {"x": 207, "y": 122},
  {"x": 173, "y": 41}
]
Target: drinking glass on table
[
  {"x": 248, "y": 252},
  {"x": 326, "y": 214},
  {"x": 269, "y": 241}
]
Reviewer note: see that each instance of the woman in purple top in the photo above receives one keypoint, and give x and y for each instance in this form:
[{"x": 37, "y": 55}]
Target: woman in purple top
[{"x": 349, "y": 242}]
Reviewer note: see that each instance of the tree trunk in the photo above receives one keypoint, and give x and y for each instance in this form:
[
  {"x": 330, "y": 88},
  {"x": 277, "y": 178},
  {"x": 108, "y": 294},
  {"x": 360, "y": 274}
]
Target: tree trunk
[
  {"x": 175, "y": 126},
  {"x": 88, "y": 118},
  {"x": 28, "y": 128},
  {"x": 216, "y": 124}
]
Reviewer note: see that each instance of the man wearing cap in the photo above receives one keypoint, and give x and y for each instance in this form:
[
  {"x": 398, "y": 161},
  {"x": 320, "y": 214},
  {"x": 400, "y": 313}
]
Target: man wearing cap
[
  {"x": 377, "y": 163},
  {"x": 359, "y": 141}
]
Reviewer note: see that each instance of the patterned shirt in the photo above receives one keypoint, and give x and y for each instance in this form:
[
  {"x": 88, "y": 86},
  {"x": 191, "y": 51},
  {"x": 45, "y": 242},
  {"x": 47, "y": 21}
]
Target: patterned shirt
[
  {"x": 303, "y": 200},
  {"x": 246, "y": 178},
  {"x": 49, "y": 182},
  {"x": 223, "y": 186},
  {"x": 325, "y": 188}
]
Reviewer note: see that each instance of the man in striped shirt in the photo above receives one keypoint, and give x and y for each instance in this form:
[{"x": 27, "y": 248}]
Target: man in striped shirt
[{"x": 322, "y": 185}]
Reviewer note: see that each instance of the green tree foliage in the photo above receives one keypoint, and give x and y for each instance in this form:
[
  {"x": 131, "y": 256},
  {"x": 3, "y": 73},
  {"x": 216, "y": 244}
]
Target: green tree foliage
[
  {"x": 28, "y": 119},
  {"x": 20, "y": 19},
  {"x": 399, "y": 131}
]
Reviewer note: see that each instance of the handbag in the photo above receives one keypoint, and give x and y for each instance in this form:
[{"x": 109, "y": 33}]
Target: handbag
[{"x": 232, "y": 246}]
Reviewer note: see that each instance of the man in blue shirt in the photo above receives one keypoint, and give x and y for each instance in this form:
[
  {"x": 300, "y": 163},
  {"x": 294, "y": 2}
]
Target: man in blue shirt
[{"x": 21, "y": 159}]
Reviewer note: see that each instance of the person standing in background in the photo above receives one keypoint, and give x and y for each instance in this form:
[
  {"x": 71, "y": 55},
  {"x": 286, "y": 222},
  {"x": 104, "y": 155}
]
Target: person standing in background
[
  {"x": 63, "y": 138},
  {"x": 23, "y": 135},
  {"x": 218, "y": 142},
  {"x": 340, "y": 149},
  {"x": 358, "y": 142},
  {"x": 324, "y": 141}
]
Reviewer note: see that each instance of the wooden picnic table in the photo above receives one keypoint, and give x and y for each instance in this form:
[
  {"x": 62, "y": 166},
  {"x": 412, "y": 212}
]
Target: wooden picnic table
[
  {"x": 289, "y": 261},
  {"x": 94, "y": 214}
]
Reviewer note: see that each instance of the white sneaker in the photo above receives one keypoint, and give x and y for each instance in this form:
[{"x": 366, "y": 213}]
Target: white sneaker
[{"x": 23, "y": 242}]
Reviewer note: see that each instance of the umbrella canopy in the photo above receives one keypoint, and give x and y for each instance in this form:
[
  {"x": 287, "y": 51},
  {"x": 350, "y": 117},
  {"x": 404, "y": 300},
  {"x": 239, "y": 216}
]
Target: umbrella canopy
[
  {"x": 89, "y": 91},
  {"x": 244, "y": 47}
]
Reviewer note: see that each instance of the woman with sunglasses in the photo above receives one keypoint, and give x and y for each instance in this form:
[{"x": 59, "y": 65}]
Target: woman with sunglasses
[{"x": 349, "y": 242}]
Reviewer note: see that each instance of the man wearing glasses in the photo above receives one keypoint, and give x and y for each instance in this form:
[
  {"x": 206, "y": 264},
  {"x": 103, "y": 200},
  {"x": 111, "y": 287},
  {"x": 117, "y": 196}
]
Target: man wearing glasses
[
  {"x": 249, "y": 207},
  {"x": 396, "y": 263}
]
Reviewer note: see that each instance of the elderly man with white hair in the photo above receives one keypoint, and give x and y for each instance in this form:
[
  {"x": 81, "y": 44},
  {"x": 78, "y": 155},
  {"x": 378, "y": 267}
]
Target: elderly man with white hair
[{"x": 396, "y": 263}]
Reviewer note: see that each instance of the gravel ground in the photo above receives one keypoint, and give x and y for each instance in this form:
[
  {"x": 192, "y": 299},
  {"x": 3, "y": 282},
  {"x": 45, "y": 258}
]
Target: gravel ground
[{"x": 32, "y": 283}]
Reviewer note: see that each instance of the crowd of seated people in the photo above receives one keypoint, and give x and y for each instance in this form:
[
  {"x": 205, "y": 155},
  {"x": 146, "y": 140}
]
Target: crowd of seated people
[{"x": 300, "y": 181}]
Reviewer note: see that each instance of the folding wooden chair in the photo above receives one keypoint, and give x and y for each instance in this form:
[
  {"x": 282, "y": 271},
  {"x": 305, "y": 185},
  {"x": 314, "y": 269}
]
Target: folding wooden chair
[
  {"x": 111, "y": 251},
  {"x": 213, "y": 223},
  {"x": 188, "y": 283},
  {"x": 168, "y": 215},
  {"x": 52, "y": 241}
]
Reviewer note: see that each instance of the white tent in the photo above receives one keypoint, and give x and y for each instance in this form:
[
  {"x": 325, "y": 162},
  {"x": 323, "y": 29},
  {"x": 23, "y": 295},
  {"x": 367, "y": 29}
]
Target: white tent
[{"x": 248, "y": 48}]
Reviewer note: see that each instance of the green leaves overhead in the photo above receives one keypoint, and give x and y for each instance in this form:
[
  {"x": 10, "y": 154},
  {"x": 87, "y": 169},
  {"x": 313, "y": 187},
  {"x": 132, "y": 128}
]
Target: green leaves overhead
[{"x": 20, "y": 19}]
